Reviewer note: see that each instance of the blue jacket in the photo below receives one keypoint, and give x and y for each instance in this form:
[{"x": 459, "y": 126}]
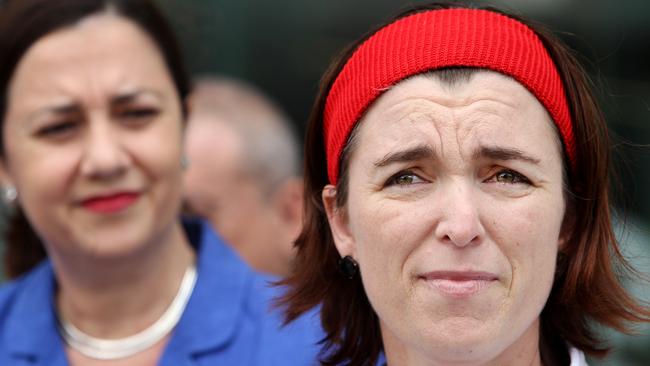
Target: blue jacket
[{"x": 227, "y": 320}]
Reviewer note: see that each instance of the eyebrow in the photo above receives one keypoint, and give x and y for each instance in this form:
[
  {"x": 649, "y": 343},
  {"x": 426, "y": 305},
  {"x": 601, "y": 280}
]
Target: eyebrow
[
  {"x": 73, "y": 107},
  {"x": 130, "y": 96},
  {"x": 67, "y": 108},
  {"x": 504, "y": 154},
  {"x": 412, "y": 154}
]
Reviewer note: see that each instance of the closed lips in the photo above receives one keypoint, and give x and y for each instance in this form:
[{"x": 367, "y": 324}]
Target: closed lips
[
  {"x": 112, "y": 202},
  {"x": 459, "y": 284},
  {"x": 460, "y": 276}
]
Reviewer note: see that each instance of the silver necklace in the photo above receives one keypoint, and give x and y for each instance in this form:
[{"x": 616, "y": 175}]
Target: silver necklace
[{"x": 111, "y": 349}]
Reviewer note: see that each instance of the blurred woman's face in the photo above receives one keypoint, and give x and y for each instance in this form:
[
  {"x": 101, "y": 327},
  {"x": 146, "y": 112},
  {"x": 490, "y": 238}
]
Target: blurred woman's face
[
  {"x": 93, "y": 138},
  {"x": 454, "y": 213}
]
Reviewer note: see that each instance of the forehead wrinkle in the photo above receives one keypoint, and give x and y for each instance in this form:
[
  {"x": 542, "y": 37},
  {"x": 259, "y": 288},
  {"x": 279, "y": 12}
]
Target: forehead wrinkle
[
  {"x": 406, "y": 109},
  {"x": 80, "y": 83},
  {"x": 422, "y": 118},
  {"x": 92, "y": 91},
  {"x": 430, "y": 122},
  {"x": 482, "y": 114},
  {"x": 461, "y": 94},
  {"x": 105, "y": 87},
  {"x": 62, "y": 88},
  {"x": 461, "y": 110}
]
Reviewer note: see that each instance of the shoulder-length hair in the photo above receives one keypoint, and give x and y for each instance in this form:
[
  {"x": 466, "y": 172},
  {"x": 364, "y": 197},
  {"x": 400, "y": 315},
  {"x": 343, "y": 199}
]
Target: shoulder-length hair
[
  {"x": 23, "y": 23},
  {"x": 585, "y": 289}
]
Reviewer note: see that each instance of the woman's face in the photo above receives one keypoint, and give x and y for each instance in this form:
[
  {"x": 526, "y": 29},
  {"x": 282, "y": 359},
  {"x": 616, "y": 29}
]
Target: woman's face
[
  {"x": 92, "y": 138},
  {"x": 454, "y": 213}
]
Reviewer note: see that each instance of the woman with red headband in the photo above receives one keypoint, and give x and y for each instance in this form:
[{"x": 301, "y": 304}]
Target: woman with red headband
[{"x": 457, "y": 209}]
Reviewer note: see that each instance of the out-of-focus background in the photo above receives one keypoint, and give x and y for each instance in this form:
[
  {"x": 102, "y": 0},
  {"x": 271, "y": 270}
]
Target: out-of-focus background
[{"x": 284, "y": 46}]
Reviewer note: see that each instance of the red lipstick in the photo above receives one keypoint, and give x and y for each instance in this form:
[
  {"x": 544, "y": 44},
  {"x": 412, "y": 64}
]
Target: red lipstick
[{"x": 111, "y": 203}]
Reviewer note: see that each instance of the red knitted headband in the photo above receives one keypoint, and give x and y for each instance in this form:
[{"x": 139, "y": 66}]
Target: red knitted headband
[{"x": 437, "y": 39}]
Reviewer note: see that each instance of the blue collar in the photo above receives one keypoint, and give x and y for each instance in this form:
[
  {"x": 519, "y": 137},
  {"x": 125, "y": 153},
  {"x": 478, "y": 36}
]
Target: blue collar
[
  {"x": 33, "y": 324},
  {"x": 224, "y": 283}
]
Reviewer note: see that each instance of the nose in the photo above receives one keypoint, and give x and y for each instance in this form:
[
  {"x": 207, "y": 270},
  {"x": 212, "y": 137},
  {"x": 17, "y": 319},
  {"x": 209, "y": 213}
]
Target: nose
[
  {"x": 460, "y": 221},
  {"x": 104, "y": 156}
]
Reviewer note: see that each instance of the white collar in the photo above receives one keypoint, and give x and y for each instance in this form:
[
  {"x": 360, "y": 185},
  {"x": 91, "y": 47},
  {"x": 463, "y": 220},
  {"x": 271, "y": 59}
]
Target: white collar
[
  {"x": 577, "y": 357},
  {"x": 111, "y": 349}
]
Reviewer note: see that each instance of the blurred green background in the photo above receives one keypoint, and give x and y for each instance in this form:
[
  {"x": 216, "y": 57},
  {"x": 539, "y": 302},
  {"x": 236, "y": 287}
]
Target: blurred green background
[{"x": 284, "y": 46}]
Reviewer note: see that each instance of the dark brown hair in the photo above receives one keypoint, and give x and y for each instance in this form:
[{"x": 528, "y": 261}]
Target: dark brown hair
[
  {"x": 585, "y": 290},
  {"x": 24, "y": 22}
]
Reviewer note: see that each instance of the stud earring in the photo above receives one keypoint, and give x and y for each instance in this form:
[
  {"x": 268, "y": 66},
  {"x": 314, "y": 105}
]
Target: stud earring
[
  {"x": 10, "y": 194},
  {"x": 348, "y": 267}
]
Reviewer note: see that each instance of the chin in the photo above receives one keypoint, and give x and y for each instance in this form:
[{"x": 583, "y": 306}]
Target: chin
[
  {"x": 115, "y": 243},
  {"x": 463, "y": 341},
  {"x": 116, "y": 249},
  {"x": 466, "y": 350}
]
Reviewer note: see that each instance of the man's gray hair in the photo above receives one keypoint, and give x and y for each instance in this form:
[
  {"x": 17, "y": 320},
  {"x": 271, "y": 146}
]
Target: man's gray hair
[{"x": 270, "y": 147}]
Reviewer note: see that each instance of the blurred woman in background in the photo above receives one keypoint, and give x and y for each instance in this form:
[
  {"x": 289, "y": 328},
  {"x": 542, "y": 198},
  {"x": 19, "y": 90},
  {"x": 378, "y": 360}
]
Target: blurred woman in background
[
  {"x": 457, "y": 199},
  {"x": 92, "y": 101}
]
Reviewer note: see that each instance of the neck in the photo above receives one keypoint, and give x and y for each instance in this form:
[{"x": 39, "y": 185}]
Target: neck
[
  {"x": 263, "y": 253},
  {"x": 264, "y": 258},
  {"x": 119, "y": 297},
  {"x": 524, "y": 351}
]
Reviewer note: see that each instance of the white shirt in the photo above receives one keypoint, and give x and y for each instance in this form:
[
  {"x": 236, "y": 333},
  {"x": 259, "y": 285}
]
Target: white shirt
[{"x": 577, "y": 357}]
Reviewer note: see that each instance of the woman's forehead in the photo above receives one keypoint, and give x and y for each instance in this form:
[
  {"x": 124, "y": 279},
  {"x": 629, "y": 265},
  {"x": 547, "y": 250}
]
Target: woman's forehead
[
  {"x": 102, "y": 57},
  {"x": 487, "y": 109},
  {"x": 458, "y": 91}
]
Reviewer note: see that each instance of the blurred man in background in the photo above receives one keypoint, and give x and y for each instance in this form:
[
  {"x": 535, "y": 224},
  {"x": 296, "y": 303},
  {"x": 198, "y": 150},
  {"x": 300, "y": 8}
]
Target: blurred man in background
[{"x": 243, "y": 172}]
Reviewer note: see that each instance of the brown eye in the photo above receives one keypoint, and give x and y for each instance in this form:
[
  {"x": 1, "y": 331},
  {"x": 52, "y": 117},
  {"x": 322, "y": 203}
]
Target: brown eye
[
  {"x": 404, "y": 179},
  {"x": 136, "y": 116},
  {"x": 510, "y": 177},
  {"x": 139, "y": 113},
  {"x": 505, "y": 177},
  {"x": 58, "y": 129}
]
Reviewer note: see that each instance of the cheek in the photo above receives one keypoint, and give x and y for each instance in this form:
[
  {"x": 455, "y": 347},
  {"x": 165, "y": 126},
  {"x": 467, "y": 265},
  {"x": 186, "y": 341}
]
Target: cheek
[
  {"x": 42, "y": 175},
  {"x": 385, "y": 234},
  {"x": 378, "y": 230},
  {"x": 528, "y": 237},
  {"x": 158, "y": 151},
  {"x": 156, "y": 161},
  {"x": 44, "y": 179}
]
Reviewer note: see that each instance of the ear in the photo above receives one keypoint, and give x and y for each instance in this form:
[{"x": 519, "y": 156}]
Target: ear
[
  {"x": 6, "y": 182},
  {"x": 5, "y": 177},
  {"x": 188, "y": 103},
  {"x": 568, "y": 226},
  {"x": 338, "y": 222},
  {"x": 289, "y": 204}
]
